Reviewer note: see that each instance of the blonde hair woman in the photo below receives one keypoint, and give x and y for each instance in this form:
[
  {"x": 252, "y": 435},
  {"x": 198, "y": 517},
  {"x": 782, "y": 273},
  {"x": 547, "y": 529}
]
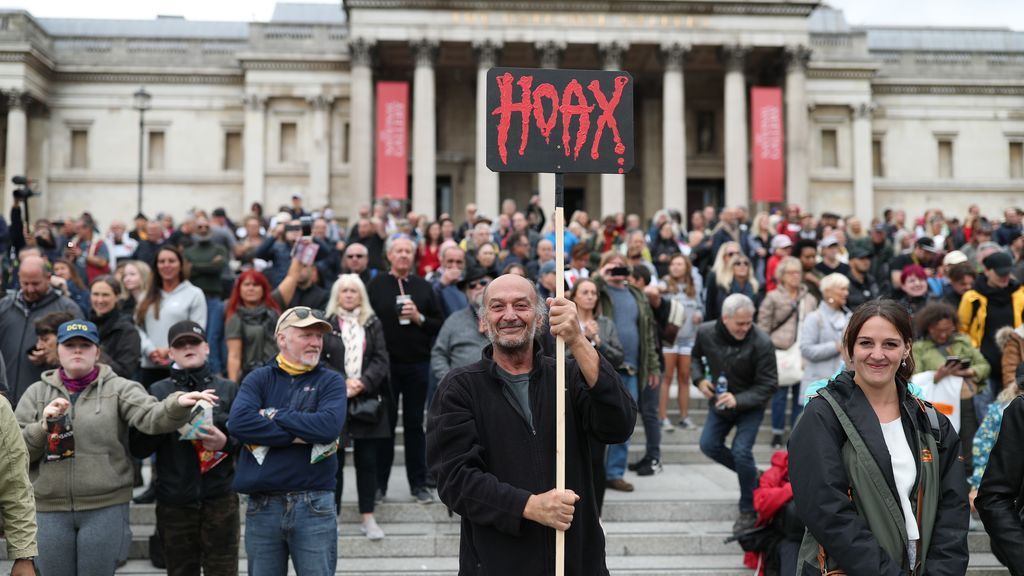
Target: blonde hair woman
[
  {"x": 355, "y": 347},
  {"x": 737, "y": 277},
  {"x": 681, "y": 287},
  {"x": 726, "y": 252},
  {"x": 134, "y": 276}
]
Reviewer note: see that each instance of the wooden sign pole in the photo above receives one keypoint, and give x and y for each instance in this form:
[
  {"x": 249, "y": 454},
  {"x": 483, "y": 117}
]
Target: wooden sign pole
[{"x": 559, "y": 365}]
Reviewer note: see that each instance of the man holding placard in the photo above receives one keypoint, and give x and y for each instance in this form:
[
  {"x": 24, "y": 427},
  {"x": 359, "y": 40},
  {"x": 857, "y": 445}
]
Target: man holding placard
[{"x": 491, "y": 439}]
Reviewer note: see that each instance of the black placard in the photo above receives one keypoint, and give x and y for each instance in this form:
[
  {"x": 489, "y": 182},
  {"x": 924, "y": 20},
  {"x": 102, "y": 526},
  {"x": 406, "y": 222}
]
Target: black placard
[{"x": 559, "y": 121}]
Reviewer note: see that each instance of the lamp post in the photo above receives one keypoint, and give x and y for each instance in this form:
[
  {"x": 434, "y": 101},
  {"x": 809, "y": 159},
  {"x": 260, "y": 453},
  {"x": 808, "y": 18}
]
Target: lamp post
[{"x": 141, "y": 104}]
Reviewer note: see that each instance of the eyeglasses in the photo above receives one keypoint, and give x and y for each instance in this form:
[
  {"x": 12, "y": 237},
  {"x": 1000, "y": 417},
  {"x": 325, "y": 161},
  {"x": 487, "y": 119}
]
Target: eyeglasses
[
  {"x": 303, "y": 312},
  {"x": 354, "y": 256},
  {"x": 477, "y": 284}
]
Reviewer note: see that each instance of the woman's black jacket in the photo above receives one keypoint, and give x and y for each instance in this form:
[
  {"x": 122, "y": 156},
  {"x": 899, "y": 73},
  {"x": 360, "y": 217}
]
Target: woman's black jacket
[
  {"x": 820, "y": 484},
  {"x": 1001, "y": 494},
  {"x": 375, "y": 376}
]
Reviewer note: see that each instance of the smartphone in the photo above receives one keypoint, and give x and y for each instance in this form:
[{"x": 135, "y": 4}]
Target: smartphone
[
  {"x": 965, "y": 363},
  {"x": 619, "y": 271},
  {"x": 951, "y": 360},
  {"x": 307, "y": 225}
]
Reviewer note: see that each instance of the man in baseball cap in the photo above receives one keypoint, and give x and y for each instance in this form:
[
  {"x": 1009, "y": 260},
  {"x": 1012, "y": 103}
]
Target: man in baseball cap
[
  {"x": 291, "y": 412},
  {"x": 997, "y": 300}
]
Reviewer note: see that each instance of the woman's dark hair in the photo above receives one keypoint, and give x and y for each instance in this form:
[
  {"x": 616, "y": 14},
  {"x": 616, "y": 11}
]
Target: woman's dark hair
[
  {"x": 49, "y": 323},
  {"x": 932, "y": 314},
  {"x": 109, "y": 280},
  {"x": 156, "y": 286},
  {"x": 894, "y": 313}
]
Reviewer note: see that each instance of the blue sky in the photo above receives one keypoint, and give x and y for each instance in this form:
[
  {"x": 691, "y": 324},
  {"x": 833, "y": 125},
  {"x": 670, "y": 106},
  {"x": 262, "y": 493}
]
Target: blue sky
[{"x": 987, "y": 13}]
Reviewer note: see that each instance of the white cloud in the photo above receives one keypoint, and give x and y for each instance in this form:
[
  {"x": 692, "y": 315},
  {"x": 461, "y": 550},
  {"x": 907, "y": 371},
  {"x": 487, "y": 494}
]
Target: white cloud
[{"x": 961, "y": 13}]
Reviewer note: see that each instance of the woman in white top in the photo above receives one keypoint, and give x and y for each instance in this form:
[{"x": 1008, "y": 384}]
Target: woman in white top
[
  {"x": 875, "y": 471},
  {"x": 171, "y": 298},
  {"x": 680, "y": 286}
]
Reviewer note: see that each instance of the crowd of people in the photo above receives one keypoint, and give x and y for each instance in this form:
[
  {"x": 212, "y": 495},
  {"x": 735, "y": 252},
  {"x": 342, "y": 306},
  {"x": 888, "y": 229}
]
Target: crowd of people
[{"x": 291, "y": 337}]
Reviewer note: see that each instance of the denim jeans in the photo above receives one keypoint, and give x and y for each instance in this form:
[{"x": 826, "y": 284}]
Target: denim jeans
[
  {"x": 410, "y": 382},
  {"x": 648, "y": 405},
  {"x": 779, "y": 408},
  {"x": 215, "y": 333},
  {"x": 740, "y": 456},
  {"x": 618, "y": 454},
  {"x": 302, "y": 525}
]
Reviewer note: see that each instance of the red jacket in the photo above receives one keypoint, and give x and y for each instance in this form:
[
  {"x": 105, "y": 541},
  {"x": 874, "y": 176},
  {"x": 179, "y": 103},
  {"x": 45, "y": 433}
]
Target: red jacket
[{"x": 772, "y": 493}]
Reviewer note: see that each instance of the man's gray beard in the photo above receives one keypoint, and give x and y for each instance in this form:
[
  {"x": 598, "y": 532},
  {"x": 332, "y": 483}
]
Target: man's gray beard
[{"x": 512, "y": 345}]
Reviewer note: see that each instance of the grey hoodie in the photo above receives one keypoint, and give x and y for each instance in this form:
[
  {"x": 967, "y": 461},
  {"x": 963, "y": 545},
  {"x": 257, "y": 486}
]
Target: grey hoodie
[{"x": 185, "y": 302}]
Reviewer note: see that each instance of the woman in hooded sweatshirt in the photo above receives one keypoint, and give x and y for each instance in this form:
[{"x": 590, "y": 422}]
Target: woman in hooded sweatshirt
[
  {"x": 120, "y": 344},
  {"x": 170, "y": 299},
  {"x": 875, "y": 471},
  {"x": 75, "y": 423}
]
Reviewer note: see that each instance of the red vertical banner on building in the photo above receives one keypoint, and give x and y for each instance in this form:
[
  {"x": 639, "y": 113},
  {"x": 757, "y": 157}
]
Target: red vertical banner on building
[
  {"x": 767, "y": 145},
  {"x": 392, "y": 140}
]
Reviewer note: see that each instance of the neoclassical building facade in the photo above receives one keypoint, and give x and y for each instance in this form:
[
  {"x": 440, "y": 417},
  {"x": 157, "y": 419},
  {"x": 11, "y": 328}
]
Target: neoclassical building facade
[{"x": 874, "y": 117}]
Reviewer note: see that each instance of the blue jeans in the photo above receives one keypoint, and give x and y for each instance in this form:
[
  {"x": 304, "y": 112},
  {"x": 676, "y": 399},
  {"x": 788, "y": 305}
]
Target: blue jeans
[
  {"x": 740, "y": 456},
  {"x": 779, "y": 408},
  {"x": 618, "y": 454},
  {"x": 648, "y": 405},
  {"x": 302, "y": 525},
  {"x": 215, "y": 333}
]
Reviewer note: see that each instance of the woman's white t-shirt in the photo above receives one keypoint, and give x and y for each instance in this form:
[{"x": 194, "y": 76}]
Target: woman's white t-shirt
[{"x": 904, "y": 469}]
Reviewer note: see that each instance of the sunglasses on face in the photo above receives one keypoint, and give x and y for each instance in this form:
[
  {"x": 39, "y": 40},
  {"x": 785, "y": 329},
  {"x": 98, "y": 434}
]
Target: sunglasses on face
[
  {"x": 731, "y": 254},
  {"x": 477, "y": 284},
  {"x": 303, "y": 312},
  {"x": 354, "y": 256},
  {"x": 741, "y": 263}
]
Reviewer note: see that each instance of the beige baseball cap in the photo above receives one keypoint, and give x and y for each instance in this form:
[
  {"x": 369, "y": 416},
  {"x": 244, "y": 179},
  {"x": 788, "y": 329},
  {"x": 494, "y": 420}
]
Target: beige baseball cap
[{"x": 301, "y": 317}]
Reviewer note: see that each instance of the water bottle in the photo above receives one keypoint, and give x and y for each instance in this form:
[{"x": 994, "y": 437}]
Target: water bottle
[
  {"x": 721, "y": 388},
  {"x": 707, "y": 368}
]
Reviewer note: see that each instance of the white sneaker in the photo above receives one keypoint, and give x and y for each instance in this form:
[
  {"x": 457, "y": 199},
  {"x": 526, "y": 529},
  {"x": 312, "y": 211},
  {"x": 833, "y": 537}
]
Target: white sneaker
[
  {"x": 371, "y": 529},
  {"x": 687, "y": 424},
  {"x": 667, "y": 426}
]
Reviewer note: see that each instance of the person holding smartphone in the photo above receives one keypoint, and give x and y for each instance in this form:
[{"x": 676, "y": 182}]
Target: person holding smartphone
[{"x": 942, "y": 349}]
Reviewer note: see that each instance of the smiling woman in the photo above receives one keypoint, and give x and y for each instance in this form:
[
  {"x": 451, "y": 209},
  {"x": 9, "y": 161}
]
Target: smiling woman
[{"x": 865, "y": 446}]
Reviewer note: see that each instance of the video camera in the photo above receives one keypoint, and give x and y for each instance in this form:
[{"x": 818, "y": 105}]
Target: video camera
[{"x": 23, "y": 190}]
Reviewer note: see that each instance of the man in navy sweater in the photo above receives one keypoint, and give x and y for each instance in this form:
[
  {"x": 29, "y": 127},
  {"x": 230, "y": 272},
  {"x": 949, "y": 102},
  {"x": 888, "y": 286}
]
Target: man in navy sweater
[{"x": 289, "y": 415}]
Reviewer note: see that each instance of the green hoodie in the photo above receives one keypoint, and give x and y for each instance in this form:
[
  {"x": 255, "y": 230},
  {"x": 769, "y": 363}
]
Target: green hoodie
[{"x": 100, "y": 473}]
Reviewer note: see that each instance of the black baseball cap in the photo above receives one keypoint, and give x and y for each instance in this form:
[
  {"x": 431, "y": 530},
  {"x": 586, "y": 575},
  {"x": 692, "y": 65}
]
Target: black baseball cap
[
  {"x": 999, "y": 262},
  {"x": 858, "y": 251},
  {"x": 927, "y": 244},
  {"x": 185, "y": 330}
]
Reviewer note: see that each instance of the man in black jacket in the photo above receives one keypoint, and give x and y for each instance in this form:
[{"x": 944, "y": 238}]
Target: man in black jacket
[
  {"x": 1000, "y": 490},
  {"x": 411, "y": 317},
  {"x": 734, "y": 350},
  {"x": 491, "y": 435},
  {"x": 196, "y": 510}
]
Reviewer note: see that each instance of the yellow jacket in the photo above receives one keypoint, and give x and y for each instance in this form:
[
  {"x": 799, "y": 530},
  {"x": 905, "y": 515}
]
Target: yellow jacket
[{"x": 972, "y": 322}]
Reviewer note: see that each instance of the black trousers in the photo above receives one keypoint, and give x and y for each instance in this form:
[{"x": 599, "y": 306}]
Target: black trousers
[
  {"x": 409, "y": 381},
  {"x": 365, "y": 452}
]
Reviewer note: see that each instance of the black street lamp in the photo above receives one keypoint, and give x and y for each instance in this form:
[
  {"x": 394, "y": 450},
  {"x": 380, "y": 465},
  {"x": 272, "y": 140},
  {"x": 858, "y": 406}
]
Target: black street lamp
[{"x": 141, "y": 104}]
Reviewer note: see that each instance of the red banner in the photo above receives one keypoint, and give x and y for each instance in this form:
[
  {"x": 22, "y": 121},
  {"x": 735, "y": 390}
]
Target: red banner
[
  {"x": 767, "y": 145},
  {"x": 392, "y": 140}
]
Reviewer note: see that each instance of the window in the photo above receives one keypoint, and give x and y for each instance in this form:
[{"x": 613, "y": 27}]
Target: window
[
  {"x": 1016, "y": 160},
  {"x": 705, "y": 132},
  {"x": 289, "y": 141},
  {"x": 156, "y": 151},
  {"x": 829, "y": 150},
  {"x": 79, "y": 149},
  {"x": 945, "y": 159},
  {"x": 232, "y": 150},
  {"x": 877, "y": 168}
]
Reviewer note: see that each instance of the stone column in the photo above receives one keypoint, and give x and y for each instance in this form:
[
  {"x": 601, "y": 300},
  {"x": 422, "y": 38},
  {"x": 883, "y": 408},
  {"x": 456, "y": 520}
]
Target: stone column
[
  {"x": 320, "y": 153},
  {"x": 550, "y": 55},
  {"x": 613, "y": 186},
  {"x": 361, "y": 141},
  {"x": 254, "y": 150},
  {"x": 863, "y": 188},
  {"x": 424, "y": 131},
  {"x": 796, "y": 125},
  {"x": 673, "y": 130},
  {"x": 487, "y": 182},
  {"x": 737, "y": 188},
  {"x": 17, "y": 140}
]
